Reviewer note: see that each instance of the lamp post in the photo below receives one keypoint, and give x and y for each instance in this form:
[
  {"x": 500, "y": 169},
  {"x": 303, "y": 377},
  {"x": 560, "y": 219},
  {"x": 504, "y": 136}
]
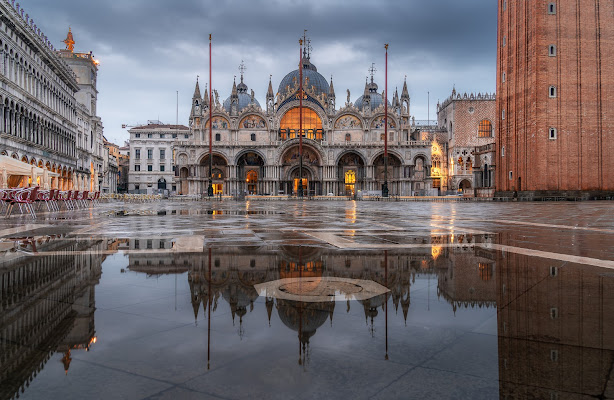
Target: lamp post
[
  {"x": 210, "y": 188},
  {"x": 385, "y": 185}
]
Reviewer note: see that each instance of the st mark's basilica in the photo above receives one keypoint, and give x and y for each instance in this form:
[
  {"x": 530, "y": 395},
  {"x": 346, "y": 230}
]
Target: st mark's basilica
[{"x": 256, "y": 148}]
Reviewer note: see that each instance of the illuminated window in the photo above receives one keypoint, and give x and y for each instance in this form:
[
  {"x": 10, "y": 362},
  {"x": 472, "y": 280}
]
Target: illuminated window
[
  {"x": 485, "y": 271},
  {"x": 350, "y": 177},
  {"x": 485, "y": 128},
  {"x": 291, "y": 120}
]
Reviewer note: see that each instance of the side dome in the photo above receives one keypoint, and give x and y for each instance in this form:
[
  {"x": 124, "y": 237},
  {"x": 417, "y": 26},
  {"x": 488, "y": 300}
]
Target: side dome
[
  {"x": 240, "y": 91},
  {"x": 244, "y": 100},
  {"x": 310, "y": 73},
  {"x": 376, "y": 101}
]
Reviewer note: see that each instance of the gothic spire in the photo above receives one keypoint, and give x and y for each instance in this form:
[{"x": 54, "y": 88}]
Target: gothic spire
[
  {"x": 331, "y": 90},
  {"x": 206, "y": 97},
  {"x": 196, "y": 90},
  {"x": 269, "y": 92},
  {"x": 234, "y": 88},
  {"x": 405, "y": 93}
]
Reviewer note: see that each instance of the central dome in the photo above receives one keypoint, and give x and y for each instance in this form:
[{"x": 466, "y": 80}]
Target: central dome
[{"x": 310, "y": 72}]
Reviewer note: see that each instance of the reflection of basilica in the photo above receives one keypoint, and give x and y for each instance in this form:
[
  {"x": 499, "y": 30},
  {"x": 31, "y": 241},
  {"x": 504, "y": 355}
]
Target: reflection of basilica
[
  {"x": 255, "y": 149},
  {"x": 47, "y": 305}
]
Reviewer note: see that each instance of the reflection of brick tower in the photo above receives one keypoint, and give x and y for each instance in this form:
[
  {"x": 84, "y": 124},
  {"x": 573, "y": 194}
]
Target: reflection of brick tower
[{"x": 555, "y": 82}]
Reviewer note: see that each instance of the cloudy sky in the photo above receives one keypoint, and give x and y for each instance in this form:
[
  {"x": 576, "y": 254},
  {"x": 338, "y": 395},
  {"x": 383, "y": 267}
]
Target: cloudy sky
[{"x": 150, "y": 49}]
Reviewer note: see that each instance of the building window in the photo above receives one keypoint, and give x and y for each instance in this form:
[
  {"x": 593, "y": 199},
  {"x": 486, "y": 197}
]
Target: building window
[
  {"x": 137, "y": 244},
  {"x": 511, "y": 175},
  {"x": 503, "y": 77},
  {"x": 504, "y": 5},
  {"x": 150, "y": 168},
  {"x": 485, "y": 128},
  {"x": 162, "y": 136},
  {"x": 253, "y": 137},
  {"x": 503, "y": 114},
  {"x": 551, "y": 8},
  {"x": 137, "y": 154},
  {"x": 161, "y": 245},
  {"x": 137, "y": 167},
  {"x": 348, "y": 137},
  {"x": 149, "y": 154},
  {"x": 136, "y": 187},
  {"x": 162, "y": 154},
  {"x": 137, "y": 135},
  {"x": 162, "y": 168},
  {"x": 149, "y": 135},
  {"x": 185, "y": 136},
  {"x": 502, "y": 151},
  {"x": 554, "y": 313},
  {"x": 552, "y": 91},
  {"x": 552, "y": 50},
  {"x": 552, "y": 133},
  {"x": 218, "y": 137},
  {"x": 174, "y": 136},
  {"x": 149, "y": 244},
  {"x": 504, "y": 40}
]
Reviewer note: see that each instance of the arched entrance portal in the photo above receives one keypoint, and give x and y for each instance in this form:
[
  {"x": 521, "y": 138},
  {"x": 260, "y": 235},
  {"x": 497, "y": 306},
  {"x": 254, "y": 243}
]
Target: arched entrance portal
[
  {"x": 306, "y": 179},
  {"x": 218, "y": 173},
  {"x": 290, "y": 162},
  {"x": 464, "y": 185},
  {"x": 351, "y": 173},
  {"x": 250, "y": 172},
  {"x": 394, "y": 172}
]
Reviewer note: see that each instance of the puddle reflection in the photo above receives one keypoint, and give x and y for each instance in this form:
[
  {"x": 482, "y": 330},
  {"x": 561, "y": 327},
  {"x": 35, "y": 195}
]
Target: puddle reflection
[{"x": 552, "y": 323}]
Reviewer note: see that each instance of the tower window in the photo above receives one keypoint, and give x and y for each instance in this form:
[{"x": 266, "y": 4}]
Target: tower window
[
  {"x": 511, "y": 175},
  {"x": 552, "y": 91},
  {"x": 504, "y": 5},
  {"x": 503, "y": 114},
  {"x": 504, "y": 40},
  {"x": 551, "y": 8},
  {"x": 503, "y": 77},
  {"x": 552, "y": 133},
  {"x": 552, "y": 50},
  {"x": 502, "y": 151}
]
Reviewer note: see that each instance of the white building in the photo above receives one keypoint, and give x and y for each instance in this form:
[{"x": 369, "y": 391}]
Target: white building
[{"x": 152, "y": 167}]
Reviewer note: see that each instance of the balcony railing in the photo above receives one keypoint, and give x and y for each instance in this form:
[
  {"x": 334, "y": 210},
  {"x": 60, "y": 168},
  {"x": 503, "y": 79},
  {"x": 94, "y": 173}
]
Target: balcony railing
[{"x": 312, "y": 134}]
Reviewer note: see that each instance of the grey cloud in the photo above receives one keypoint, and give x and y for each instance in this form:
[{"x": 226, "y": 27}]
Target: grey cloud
[{"x": 149, "y": 49}]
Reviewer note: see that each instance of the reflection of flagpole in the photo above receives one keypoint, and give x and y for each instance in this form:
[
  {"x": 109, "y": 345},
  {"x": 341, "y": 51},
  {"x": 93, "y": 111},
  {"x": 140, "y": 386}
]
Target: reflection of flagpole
[
  {"x": 209, "y": 314},
  {"x": 386, "y": 303}
]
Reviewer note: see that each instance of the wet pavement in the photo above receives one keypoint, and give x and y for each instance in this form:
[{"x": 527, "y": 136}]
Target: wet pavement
[{"x": 306, "y": 300}]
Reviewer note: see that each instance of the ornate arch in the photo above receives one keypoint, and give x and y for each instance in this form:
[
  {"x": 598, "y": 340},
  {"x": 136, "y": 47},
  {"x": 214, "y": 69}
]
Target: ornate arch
[
  {"x": 423, "y": 155},
  {"x": 391, "y": 117},
  {"x": 295, "y": 104},
  {"x": 279, "y": 151},
  {"x": 250, "y": 150},
  {"x": 201, "y": 157},
  {"x": 345, "y": 114},
  {"x": 353, "y": 151},
  {"x": 252, "y": 113},
  {"x": 390, "y": 152}
]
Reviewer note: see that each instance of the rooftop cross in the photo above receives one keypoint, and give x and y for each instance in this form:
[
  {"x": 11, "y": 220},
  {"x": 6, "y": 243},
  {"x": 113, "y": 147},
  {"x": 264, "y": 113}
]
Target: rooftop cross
[
  {"x": 372, "y": 71},
  {"x": 242, "y": 69}
]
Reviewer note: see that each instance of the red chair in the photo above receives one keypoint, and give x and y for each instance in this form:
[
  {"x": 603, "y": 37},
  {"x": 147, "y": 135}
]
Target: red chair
[
  {"x": 84, "y": 197},
  {"x": 27, "y": 197},
  {"x": 47, "y": 197}
]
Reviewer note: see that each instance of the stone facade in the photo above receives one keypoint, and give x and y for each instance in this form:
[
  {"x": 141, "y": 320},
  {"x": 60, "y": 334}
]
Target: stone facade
[
  {"x": 38, "y": 120},
  {"x": 255, "y": 149},
  {"x": 151, "y": 159},
  {"x": 555, "y": 102},
  {"x": 469, "y": 123},
  {"x": 48, "y": 101}
]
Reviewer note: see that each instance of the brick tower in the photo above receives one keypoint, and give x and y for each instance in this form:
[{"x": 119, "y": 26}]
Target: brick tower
[{"x": 555, "y": 96}]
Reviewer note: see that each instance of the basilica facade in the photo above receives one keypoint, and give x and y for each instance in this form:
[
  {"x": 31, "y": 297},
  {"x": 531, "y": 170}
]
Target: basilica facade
[{"x": 255, "y": 148}]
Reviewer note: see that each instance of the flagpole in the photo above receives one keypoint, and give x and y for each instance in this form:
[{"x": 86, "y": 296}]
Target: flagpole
[
  {"x": 385, "y": 185},
  {"x": 210, "y": 188},
  {"x": 300, "y": 119}
]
